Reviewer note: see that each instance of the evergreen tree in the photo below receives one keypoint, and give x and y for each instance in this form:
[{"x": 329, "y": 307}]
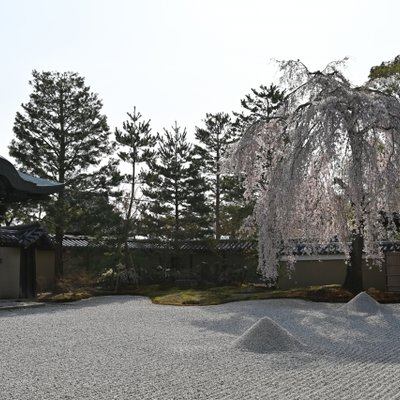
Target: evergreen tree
[
  {"x": 214, "y": 140},
  {"x": 258, "y": 106},
  {"x": 84, "y": 209},
  {"x": 386, "y": 77},
  {"x": 21, "y": 212},
  {"x": 62, "y": 135},
  {"x": 197, "y": 217},
  {"x": 176, "y": 192},
  {"x": 137, "y": 145},
  {"x": 236, "y": 210},
  {"x": 386, "y": 69}
]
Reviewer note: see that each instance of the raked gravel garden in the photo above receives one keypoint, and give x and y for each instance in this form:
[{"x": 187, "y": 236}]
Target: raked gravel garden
[{"x": 125, "y": 347}]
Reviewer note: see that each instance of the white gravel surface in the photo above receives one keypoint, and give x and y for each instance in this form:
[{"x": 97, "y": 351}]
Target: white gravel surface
[{"x": 127, "y": 348}]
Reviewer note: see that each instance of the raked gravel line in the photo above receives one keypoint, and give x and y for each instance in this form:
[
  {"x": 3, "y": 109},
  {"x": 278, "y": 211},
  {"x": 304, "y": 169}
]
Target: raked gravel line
[{"x": 127, "y": 348}]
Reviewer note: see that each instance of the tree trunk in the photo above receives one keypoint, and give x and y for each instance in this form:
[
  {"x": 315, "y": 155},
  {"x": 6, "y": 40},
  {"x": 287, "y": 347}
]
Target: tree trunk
[
  {"x": 218, "y": 192},
  {"x": 354, "y": 279},
  {"x": 217, "y": 208},
  {"x": 130, "y": 264},
  {"x": 60, "y": 204},
  {"x": 59, "y": 235}
]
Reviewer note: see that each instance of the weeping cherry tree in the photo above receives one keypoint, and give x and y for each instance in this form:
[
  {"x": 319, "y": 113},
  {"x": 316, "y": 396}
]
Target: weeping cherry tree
[{"x": 324, "y": 168}]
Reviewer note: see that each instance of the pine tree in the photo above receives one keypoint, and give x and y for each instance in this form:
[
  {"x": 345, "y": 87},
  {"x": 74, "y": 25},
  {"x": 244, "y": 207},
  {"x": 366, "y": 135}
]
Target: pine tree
[
  {"x": 176, "y": 192},
  {"x": 258, "y": 106},
  {"x": 62, "y": 135},
  {"x": 137, "y": 145},
  {"x": 214, "y": 140},
  {"x": 386, "y": 77},
  {"x": 386, "y": 69},
  {"x": 236, "y": 210}
]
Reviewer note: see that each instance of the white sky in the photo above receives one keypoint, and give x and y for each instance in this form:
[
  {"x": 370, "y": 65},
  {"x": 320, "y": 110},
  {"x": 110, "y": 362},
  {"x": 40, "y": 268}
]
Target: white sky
[{"x": 178, "y": 59}]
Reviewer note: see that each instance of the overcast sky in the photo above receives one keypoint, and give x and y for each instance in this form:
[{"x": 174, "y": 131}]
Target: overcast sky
[{"x": 179, "y": 59}]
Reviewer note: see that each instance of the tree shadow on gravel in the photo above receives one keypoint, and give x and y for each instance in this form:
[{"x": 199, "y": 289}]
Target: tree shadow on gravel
[{"x": 327, "y": 329}]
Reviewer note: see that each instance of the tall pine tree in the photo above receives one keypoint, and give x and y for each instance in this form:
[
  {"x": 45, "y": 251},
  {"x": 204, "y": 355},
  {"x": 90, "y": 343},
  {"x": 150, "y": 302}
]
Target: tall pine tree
[
  {"x": 176, "y": 192},
  {"x": 257, "y": 106},
  {"x": 62, "y": 135},
  {"x": 214, "y": 140},
  {"x": 137, "y": 147}
]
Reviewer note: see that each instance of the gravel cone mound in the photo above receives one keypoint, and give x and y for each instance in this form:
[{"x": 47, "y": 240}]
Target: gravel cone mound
[
  {"x": 363, "y": 303},
  {"x": 267, "y": 336}
]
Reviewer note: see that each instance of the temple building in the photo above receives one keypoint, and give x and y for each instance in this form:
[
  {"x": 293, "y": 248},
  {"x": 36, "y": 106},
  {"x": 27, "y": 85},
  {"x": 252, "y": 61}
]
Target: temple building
[{"x": 26, "y": 255}]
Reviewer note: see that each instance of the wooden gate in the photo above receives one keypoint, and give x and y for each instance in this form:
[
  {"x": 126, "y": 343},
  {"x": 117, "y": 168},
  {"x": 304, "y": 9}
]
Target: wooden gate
[
  {"x": 27, "y": 275},
  {"x": 393, "y": 271}
]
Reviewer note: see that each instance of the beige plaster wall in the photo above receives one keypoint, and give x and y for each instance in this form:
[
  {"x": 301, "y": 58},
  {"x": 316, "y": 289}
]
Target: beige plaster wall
[
  {"x": 374, "y": 277},
  {"x": 45, "y": 270},
  {"x": 312, "y": 272},
  {"x": 327, "y": 272},
  {"x": 9, "y": 272}
]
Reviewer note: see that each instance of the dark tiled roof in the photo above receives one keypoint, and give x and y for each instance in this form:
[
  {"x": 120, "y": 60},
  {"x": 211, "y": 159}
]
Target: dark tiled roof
[
  {"x": 78, "y": 241},
  {"x": 299, "y": 249},
  {"x": 24, "y": 236},
  {"x": 390, "y": 246},
  {"x": 147, "y": 244},
  {"x": 331, "y": 248}
]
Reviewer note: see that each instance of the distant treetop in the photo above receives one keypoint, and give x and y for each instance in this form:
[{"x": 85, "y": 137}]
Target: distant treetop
[{"x": 386, "y": 69}]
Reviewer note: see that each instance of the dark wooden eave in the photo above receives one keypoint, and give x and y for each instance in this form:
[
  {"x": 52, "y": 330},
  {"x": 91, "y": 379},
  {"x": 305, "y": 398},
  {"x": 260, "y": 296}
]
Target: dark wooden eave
[{"x": 19, "y": 186}]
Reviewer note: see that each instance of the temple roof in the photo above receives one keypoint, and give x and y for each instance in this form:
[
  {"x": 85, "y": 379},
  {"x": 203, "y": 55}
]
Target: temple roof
[
  {"x": 70, "y": 241},
  {"x": 24, "y": 236},
  {"x": 16, "y": 185}
]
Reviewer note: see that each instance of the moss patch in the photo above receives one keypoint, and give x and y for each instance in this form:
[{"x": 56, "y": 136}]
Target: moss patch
[
  {"x": 333, "y": 293},
  {"x": 65, "y": 297},
  {"x": 225, "y": 294}
]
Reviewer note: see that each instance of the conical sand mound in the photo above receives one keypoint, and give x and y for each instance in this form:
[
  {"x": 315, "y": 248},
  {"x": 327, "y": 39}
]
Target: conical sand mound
[
  {"x": 267, "y": 336},
  {"x": 362, "y": 303}
]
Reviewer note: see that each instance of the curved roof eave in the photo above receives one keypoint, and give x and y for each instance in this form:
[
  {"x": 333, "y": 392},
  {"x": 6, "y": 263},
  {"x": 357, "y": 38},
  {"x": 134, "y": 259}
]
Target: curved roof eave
[{"x": 26, "y": 183}]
